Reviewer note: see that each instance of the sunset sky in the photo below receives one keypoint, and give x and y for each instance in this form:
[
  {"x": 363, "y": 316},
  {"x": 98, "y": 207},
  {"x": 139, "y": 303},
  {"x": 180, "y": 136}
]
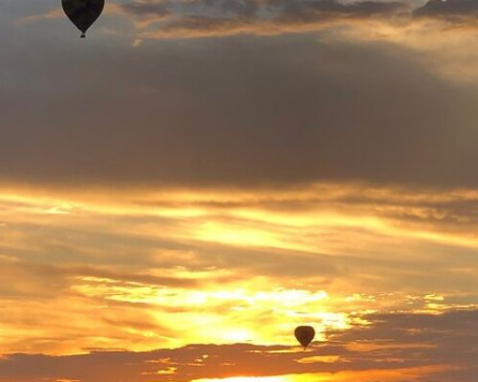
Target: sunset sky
[{"x": 195, "y": 179}]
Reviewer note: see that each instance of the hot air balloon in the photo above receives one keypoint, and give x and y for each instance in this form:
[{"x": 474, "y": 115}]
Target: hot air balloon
[
  {"x": 83, "y": 13},
  {"x": 305, "y": 335}
]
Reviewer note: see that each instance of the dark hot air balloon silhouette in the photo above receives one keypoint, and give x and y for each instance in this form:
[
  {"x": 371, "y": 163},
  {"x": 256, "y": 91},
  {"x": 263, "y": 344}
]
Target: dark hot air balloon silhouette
[
  {"x": 83, "y": 13},
  {"x": 305, "y": 335}
]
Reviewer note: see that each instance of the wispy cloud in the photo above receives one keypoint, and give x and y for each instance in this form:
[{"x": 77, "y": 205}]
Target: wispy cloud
[
  {"x": 152, "y": 268},
  {"x": 186, "y": 19}
]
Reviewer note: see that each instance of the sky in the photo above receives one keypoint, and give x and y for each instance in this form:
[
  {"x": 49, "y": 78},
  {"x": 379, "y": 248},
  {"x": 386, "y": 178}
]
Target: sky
[{"x": 195, "y": 179}]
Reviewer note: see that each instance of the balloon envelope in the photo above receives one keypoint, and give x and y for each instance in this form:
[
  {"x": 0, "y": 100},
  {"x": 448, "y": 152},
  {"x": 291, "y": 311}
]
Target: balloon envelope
[
  {"x": 83, "y": 13},
  {"x": 305, "y": 335}
]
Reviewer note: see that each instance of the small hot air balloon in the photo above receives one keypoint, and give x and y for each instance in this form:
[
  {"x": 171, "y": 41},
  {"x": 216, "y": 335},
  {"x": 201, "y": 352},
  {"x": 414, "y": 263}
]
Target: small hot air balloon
[
  {"x": 305, "y": 335},
  {"x": 83, "y": 13}
]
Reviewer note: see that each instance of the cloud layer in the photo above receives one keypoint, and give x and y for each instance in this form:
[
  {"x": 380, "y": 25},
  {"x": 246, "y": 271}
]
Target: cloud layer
[
  {"x": 199, "y": 174},
  {"x": 202, "y": 18},
  {"x": 367, "y": 102},
  {"x": 140, "y": 271},
  {"x": 418, "y": 347},
  {"x": 206, "y": 18},
  {"x": 233, "y": 113}
]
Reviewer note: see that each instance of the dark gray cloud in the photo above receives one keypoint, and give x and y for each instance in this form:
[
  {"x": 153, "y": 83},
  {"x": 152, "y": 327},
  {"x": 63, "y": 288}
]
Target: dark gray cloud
[
  {"x": 260, "y": 9},
  {"x": 230, "y": 17},
  {"x": 203, "y": 17},
  {"x": 232, "y": 112},
  {"x": 445, "y": 342},
  {"x": 449, "y": 8}
]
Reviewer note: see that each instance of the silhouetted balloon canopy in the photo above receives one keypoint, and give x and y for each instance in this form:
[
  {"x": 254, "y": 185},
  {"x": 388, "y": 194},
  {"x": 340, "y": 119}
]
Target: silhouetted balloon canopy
[
  {"x": 83, "y": 13},
  {"x": 305, "y": 335}
]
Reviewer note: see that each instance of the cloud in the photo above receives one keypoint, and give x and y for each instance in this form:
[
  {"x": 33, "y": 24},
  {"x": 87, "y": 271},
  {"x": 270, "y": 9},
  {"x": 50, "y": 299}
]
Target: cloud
[
  {"x": 51, "y": 15},
  {"x": 195, "y": 19},
  {"x": 227, "y": 189},
  {"x": 225, "y": 113},
  {"x": 143, "y": 8},
  {"x": 467, "y": 9},
  {"x": 205, "y": 18},
  {"x": 441, "y": 346},
  {"x": 148, "y": 269}
]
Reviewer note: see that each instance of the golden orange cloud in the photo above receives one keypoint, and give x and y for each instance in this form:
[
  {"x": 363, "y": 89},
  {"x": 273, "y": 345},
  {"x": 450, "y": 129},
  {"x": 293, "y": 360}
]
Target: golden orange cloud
[{"x": 151, "y": 268}]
